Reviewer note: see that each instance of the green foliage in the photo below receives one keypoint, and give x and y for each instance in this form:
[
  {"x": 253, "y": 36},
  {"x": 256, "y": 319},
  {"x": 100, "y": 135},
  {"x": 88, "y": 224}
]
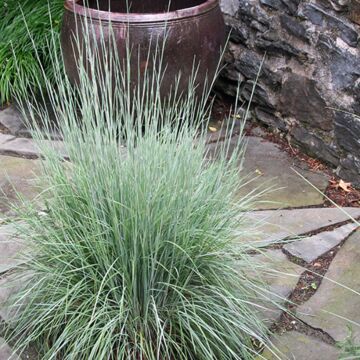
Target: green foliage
[
  {"x": 133, "y": 255},
  {"x": 19, "y": 52},
  {"x": 349, "y": 349}
]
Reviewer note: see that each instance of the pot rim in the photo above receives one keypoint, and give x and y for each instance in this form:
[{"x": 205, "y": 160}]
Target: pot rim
[{"x": 206, "y": 6}]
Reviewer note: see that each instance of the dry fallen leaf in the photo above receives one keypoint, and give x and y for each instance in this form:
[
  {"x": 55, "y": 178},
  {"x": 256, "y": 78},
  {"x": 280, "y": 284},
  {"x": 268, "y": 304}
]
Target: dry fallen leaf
[
  {"x": 259, "y": 172},
  {"x": 346, "y": 186},
  {"x": 212, "y": 129},
  {"x": 314, "y": 286}
]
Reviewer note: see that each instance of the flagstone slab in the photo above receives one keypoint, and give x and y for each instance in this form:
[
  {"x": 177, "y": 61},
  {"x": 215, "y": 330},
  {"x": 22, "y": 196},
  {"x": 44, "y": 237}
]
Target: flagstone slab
[
  {"x": 7, "y": 288},
  {"x": 20, "y": 147},
  {"x": 10, "y": 285},
  {"x": 276, "y": 225},
  {"x": 273, "y": 167},
  {"x": 10, "y": 247},
  {"x": 296, "y": 346},
  {"x": 6, "y": 352},
  {"x": 17, "y": 175},
  {"x": 28, "y": 147},
  {"x": 279, "y": 277},
  {"x": 311, "y": 248},
  {"x": 268, "y": 166},
  {"x": 335, "y": 308},
  {"x": 5, "y": 138}
]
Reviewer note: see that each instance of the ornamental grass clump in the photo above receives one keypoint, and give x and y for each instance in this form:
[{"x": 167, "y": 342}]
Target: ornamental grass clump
[
  {"x": 133, "y": 254},
  {"x": 22, "y": 43}
]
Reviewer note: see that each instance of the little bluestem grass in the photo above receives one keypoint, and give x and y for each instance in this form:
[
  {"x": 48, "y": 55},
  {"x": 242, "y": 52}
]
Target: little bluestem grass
[{"x": 132, "y": 255}]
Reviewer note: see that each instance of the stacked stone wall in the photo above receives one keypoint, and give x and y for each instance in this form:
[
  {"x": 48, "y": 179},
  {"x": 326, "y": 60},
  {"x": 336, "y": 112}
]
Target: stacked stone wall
[{"x": 309, "y": 86}]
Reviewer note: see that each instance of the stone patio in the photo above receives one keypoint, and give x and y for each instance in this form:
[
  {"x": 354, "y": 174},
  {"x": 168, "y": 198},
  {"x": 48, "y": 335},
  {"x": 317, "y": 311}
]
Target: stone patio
[
  {"x": 17, "y": 177},
  {"x": 331, "y": 310}
]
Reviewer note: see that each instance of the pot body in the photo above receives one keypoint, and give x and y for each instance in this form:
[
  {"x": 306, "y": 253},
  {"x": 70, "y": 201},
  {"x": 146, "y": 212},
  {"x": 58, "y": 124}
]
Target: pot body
[{"x": 193, "y": 36}]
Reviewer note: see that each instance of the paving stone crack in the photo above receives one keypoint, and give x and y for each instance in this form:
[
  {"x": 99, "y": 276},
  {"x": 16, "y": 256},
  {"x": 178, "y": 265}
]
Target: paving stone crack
[{"x": 308, "y": 284}]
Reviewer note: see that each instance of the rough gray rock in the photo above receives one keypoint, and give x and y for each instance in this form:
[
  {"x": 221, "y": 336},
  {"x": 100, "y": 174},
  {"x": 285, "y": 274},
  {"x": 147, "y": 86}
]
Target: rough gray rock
[
  {"x": 230, "y": 7},
  {"x": 268, "y": 117},
  {"x": 334, "y": 308},
  {"x": 248, "y": 12},
  {"x": 14, "y": 123},
  {"x": 338, "y": 5},
  {"x": 289, "y": 6},
  {"x": 315, "y": 146},
  {"x": 348, "y": 132},
  {"x": 275, "y": 4},
  {"x": 294, "y": 27},
  {"x": 311, "y": 67},
  {"x": 259, "y": 94},
  {"x": 321, "y": 17},
  {"x": 11, "y": 120},
  {"x": 274, "y": 45},
  {"x": 300, "y": 99},
  {"x": 350, "y": 169},
  {"x": 310, "y": 248},
  {"x": 249, "y": 64},
  {"x": 342, "y": 67}
]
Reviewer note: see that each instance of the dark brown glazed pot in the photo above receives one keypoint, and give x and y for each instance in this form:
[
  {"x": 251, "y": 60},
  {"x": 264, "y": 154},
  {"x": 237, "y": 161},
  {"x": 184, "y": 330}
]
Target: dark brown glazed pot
[{"x": 194, "y": 30}]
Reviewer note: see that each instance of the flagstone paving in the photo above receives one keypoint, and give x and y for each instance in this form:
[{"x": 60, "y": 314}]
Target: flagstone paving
[
  {"x": 266, "y": 166},
  {"x": 10, "y": 247},
  {"x": 274, "y": 168},
  {"x": 9, "y": 285},
  {"x": 5, "y": 351},
  {"x": 280, "y": 281},
  {"x": 310, "y": 248},
  {"x": 296, "y": 346},
  {"x": 276, "y": 225},
  {"x": 4, "y": 138},
  {"x": 26, "y": 147},
  {"x": 17, "y": 176},
  {"x": 335, "y": 308}
]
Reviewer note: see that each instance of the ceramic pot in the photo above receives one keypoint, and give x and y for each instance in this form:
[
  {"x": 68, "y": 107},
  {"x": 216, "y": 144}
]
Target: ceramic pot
[{"x": 194, "y": 32}]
